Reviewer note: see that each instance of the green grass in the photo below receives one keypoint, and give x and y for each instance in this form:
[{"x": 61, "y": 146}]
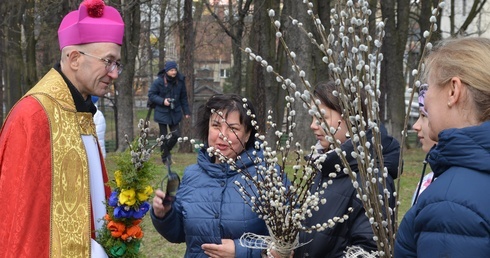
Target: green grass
[
  {"x": 110, "y": 134},
  {"x": 156, "y": 246}
]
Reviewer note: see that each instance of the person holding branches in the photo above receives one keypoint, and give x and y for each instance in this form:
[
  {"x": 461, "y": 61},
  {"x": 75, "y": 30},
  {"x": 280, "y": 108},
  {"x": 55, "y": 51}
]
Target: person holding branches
[
  {"x": 168, "y": 95},
  {"x": 341, "y": 194},
  {"x": 209, "y": 213},
  {"x": 52, "y": 173},
  {"x": 451, "y": 218}
]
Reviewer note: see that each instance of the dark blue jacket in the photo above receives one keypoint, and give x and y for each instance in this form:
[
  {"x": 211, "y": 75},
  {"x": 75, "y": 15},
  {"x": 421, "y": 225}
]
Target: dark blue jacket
[
  {"x": 452, "y": 216},
  {"x": 341, "y": 195},
  {"x": 209, "y": 208},
  {"x": 175, "y": 89}
]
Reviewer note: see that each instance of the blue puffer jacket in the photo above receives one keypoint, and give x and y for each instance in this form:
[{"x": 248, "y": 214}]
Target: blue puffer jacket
[
  {"x": 209, "y": 208},
  {"x": 452, "y": 216},
  {"x": 174, "y": 89}
]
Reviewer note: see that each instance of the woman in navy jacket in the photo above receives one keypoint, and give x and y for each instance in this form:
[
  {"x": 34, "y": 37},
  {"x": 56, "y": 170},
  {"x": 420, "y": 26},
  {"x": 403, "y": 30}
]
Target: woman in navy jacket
[
  {"x": 209, "y": 214},
  {"x": 452, "y": 216},
  {"x": 341, "y": 195}
]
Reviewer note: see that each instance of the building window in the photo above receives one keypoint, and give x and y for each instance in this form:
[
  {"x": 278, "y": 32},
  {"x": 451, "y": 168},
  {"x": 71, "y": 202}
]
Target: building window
[{"x": 223, "y": 73}]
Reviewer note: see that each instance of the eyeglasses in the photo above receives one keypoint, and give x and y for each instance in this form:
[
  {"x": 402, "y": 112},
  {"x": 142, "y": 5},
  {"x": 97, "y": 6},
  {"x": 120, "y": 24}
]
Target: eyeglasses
[{"x": 109, "y": 64}]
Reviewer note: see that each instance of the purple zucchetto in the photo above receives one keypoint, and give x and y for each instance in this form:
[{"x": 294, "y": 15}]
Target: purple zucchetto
[{"x": 93, "y": 22}]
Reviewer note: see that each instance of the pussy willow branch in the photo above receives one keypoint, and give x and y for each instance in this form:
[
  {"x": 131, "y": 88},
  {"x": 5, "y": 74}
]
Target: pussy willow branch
[
  {"x": 251, "y": 181},
  {"x": 369, "y": 189},
  {"x": 143, "y": 154},
  {"x": 350, "y": 74},
  {"x": 280, "y": 216},
  {"x": 364, "y": 77}
]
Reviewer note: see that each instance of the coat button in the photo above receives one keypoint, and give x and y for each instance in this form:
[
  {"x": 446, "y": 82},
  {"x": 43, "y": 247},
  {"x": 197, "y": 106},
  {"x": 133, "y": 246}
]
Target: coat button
[
  {"x": 216, "y": 215},
  {"x": 222, "y": 183}
]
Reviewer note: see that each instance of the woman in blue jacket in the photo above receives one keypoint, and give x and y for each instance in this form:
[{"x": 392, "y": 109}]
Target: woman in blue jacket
[
  {"x": 452, "y": 217},
  {"x": 209, "y": 214},
  {"x": 169, "y": 96}
]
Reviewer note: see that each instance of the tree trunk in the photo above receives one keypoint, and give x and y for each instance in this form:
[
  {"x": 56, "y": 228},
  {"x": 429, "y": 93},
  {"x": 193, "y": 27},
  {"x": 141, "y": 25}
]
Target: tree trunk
[
  {"x": 300, "y": 44},
  {"x": 15, "y": 65},
  {"x": 393, "y": 84},
  {"x": 258, "y": 80},
  {"x": 51, "y": 12},
  {"x": 321, "y": 71},
  {"x": 163, "y": 34},
  {"x": 124, "y": 87},
  {"x": 30, "y": 52},
  {"x": 187, "y": 68},
  {"x": 3, "y": 59},
  {"x": 236, "y": 28}
]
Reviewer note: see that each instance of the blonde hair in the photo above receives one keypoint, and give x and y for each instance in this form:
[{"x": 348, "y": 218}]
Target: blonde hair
[{"x": 467, "y": 59}]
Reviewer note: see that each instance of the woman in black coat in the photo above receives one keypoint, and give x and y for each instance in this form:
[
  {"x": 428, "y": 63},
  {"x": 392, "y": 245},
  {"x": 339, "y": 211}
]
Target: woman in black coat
[
  {"x": 341, "y": 195},
  {"x": 169, "y": 95}
]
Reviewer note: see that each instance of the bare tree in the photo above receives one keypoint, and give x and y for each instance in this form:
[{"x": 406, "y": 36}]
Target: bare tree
[
  {"x": 30, "y": 48},
  {"x": 395, "y": 13},
  {"x": 131, "y": 14},
  {"x": 187, "y": 65},
  {"x": 476, "y": 8},
  {"x": 234, "y": 26},
  {"x": 3, "y": 52},
  {"x": 306, "y": 54},
  {"x": 27, "y": 33},
  {"x": 418, "y": 24},
  {"x": 50, "y": 13},
  {"x": 28, "y": 28},
  {"x": 258, "y": 81},
  {"x": 309, "y": 58},
  {"x": 163, "y": 33},
  {"x": 15, "y": 83}
]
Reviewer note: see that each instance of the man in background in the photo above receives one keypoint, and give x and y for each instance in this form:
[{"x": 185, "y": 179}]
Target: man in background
[{"x": 169, "y": 95}]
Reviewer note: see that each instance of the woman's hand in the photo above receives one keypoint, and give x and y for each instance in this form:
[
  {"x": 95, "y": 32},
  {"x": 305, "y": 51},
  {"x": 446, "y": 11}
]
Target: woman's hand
[
  {"x": 158, "y": 208},
  {"x": 225, "y": 250}
]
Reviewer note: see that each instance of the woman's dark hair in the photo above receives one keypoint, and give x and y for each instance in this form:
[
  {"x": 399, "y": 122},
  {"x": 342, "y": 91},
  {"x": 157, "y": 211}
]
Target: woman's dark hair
[
  {"x": 324, "y": 92},
  {"x": 226, "y": 103}
]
